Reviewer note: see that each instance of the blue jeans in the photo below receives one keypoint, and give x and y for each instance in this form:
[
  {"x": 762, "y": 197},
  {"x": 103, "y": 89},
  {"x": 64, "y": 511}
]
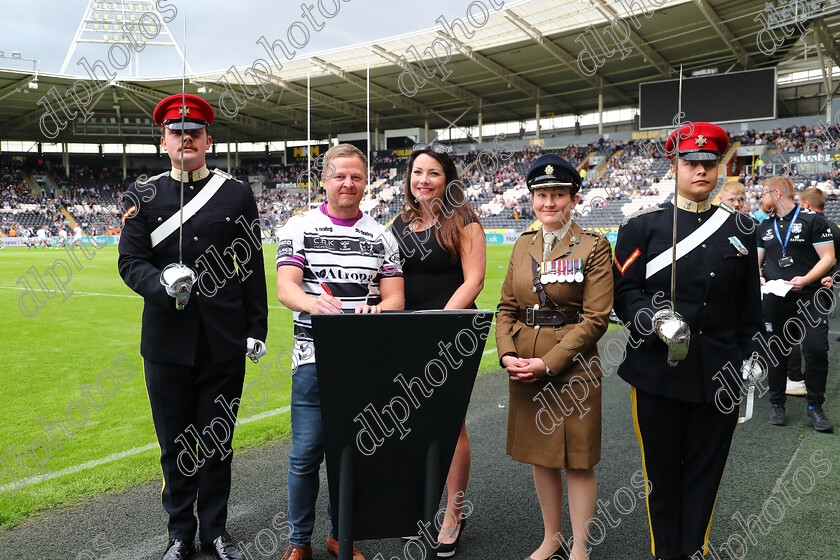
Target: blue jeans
[{"x": 306, "y": 455}]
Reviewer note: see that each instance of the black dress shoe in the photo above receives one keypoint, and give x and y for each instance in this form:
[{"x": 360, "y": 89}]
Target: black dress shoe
[
  {"x": 222, "y": 548},
  {"x": 179, "y": 550}
]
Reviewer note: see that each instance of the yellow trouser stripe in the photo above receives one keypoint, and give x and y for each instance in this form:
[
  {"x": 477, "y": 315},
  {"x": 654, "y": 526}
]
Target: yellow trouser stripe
[
  {"x": 644, "y": 466},
  {"x": 160, "y": 451}
]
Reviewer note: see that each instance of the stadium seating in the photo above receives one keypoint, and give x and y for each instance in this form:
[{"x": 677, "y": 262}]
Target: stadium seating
[{"x": 628, "y": 179}]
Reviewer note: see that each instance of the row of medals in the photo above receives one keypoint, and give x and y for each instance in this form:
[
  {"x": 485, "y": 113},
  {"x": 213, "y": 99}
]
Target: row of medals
[{"x": 564, "y": 270}]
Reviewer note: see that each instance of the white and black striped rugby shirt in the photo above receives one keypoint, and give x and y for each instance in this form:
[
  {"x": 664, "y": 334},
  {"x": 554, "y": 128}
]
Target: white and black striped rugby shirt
[{"x": 348, "y": 256}]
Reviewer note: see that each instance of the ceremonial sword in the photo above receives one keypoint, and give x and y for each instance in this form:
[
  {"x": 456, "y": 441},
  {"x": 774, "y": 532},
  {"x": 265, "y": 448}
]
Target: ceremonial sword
[
  {"x": 178, "y": 276},
  {"x": 676, "y": 192},
  {"x": 669, "y": 324}
]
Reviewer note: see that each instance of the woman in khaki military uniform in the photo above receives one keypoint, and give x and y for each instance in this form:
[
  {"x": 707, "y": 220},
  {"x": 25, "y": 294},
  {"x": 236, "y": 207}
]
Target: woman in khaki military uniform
[{"x": 555, "y": 305}]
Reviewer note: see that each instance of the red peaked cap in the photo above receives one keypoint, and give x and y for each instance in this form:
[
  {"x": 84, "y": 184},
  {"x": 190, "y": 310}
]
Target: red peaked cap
[
  {"x": 698, "y": 141},
  {"x": 199, "y": 113}
]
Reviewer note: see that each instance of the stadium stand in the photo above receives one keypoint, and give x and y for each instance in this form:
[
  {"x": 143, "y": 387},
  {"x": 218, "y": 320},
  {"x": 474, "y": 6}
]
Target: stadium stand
[{"x": 628, "y": 178}]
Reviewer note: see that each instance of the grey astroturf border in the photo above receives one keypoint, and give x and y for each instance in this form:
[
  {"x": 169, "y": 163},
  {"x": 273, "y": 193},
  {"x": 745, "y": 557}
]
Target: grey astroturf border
[{"x": 768, "y": 466}]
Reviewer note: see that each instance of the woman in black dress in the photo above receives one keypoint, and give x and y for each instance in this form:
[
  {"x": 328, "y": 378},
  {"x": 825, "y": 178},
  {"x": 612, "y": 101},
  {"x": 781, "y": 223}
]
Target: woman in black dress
[{"x": 443, "y": 248}]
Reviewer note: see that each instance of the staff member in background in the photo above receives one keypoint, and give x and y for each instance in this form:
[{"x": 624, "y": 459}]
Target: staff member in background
[
  {"x": 811, "y": 198},
  {"x": 555, "y": 306},
  {"x": 194, "y": 358},
  {"x": 796, "y": 246},
  {"x": 684, "y": 429},
  {"x": 734, "y": 194},
  {"x": 444, "y": 258}
]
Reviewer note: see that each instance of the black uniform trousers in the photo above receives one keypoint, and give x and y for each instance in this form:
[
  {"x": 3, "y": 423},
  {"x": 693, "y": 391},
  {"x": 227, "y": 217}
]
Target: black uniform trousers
[
  {"x": 185, "y": 407},
  {"x": 684, "y": 449},
  {"x": 806, "y": 314}
]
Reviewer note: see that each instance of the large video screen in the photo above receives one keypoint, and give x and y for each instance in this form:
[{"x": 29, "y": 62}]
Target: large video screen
[{"x": 719, "y": 98}]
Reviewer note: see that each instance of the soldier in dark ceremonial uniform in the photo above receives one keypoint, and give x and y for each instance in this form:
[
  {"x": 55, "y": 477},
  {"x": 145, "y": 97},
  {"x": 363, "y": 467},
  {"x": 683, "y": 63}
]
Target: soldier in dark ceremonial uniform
[
  {"x": 195, "y": 336},
  {"x": 685, "y": 413}
]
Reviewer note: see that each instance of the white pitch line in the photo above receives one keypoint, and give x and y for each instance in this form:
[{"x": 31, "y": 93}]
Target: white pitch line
[
  {"x": 265, "y": 414},
  {"x": 134, "y": 451},
  {"x": 490, "y": 351},
  {"x": 778, "y": 486},
  {"x": 79, "y": 293},
  {"x": 117, "y": 295},
  {"x": 108, "y": 295}
]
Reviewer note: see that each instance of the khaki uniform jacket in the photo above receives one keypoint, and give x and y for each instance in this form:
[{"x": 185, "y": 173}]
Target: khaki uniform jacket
[{"x": 558, "y": 346}]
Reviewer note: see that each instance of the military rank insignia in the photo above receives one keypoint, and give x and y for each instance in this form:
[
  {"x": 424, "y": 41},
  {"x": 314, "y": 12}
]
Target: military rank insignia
[
  {"x": 622, "y": 268},
  {"x": 738, "y": 245},
  {"x": 563, "y": 270},
  {"x": 128, "y": 214}
]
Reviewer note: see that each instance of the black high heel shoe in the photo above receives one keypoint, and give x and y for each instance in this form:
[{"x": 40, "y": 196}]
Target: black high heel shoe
[{"x": 446, "y": 550}]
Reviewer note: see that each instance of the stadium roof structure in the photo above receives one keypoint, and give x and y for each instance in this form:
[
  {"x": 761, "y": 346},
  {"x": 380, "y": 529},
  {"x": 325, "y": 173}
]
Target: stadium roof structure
[{"x": 524, "y": 56}]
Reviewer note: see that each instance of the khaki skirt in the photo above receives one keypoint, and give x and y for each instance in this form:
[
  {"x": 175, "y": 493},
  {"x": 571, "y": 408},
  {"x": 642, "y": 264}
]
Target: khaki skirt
[{"x": 555, "y": 424}]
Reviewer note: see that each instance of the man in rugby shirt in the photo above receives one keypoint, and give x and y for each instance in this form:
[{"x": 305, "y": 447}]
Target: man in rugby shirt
[{"x": 331, "y": 259}]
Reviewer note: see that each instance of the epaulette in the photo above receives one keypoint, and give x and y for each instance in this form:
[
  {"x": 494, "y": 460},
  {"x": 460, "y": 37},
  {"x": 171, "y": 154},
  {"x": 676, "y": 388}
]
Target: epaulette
[
  {"x": 592, "y": 232},
  {"x": 642, "y": 212},
  {"x": 727, "y": 207},
  {"x": 532, "y": 232},
  {"x": 221, "y": 173},
  {"x": 155, "y": 177}
]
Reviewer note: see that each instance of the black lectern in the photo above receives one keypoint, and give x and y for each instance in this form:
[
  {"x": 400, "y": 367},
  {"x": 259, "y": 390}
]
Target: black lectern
[{"x": 394, "y": 391}]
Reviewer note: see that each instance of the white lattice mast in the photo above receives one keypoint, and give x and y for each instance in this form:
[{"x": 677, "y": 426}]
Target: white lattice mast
[{"x": 132, "y": 23}]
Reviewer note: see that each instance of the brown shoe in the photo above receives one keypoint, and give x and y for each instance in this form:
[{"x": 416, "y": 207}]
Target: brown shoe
[
  {"x": 332, "y": 547},
  {"x": 297, "y": 553}
]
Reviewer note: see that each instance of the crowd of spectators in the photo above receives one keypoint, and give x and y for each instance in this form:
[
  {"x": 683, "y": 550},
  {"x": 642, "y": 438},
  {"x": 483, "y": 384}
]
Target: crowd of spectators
[
  {"x": 91, "y": 193},
  {"x": 629, "y": 175},
  {"x": 793, "y": 138}
]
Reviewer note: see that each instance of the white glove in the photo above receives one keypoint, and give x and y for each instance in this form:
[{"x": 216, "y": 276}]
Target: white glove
[
  {"x": 751, "y": 370},
  {"x": 255, "y": 349}
]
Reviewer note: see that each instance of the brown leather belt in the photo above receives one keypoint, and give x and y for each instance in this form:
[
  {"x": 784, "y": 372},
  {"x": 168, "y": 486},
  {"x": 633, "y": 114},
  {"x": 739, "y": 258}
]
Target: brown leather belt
[{"x": 548, "y": 317}]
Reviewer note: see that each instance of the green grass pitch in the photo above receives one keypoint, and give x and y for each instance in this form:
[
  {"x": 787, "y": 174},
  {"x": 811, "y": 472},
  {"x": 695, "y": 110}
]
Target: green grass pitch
[
  {"x": 45, "y": 360},
  {"x": 50, "y": 360}
]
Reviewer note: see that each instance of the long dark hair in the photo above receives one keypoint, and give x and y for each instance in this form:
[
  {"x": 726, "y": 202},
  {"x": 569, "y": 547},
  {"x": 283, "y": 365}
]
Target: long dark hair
[{"x": 454, "y": 211}]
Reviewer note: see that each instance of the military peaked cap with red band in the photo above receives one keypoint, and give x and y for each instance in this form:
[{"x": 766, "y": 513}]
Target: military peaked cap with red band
[
  {"x": 698, "y": 141},
  {"x": 197, "y": 113}
]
